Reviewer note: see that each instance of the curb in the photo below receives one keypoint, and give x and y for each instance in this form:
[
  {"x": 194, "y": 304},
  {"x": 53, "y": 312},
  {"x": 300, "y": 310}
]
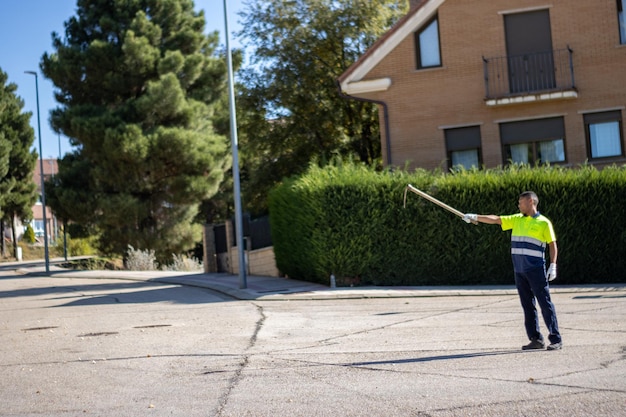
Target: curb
[{"x": 300, "y": 290}]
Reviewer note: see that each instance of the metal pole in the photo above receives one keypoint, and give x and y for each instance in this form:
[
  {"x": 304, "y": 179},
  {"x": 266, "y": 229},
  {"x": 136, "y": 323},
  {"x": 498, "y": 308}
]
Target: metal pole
[
  {"x": 64, "y": 231},
  {"x": 233, "y": 134},
  {"x": 43, "y": 191}
]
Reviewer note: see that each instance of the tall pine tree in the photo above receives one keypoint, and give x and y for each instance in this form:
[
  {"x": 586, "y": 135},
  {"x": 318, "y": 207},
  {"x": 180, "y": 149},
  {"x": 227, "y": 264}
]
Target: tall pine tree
[
  {"x": 137, "y": 81},
  {"x": 18, "y": 192}
]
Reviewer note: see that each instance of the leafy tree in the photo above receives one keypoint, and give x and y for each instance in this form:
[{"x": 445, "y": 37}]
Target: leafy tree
[
  {"x": 136, "y": 81},
  {"x": 70, "y": 196},
  {"x": 5, "y": 147},
  {"x": 18, "y": 192},
  {"x": 221, "y": 206},
  {"x": 291, "y": 110}
]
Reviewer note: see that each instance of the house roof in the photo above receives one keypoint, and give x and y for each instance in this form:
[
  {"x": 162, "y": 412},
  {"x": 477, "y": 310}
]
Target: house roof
[
  {"x": 50, "y": 167},
  {"x": 352, "y": 80}
]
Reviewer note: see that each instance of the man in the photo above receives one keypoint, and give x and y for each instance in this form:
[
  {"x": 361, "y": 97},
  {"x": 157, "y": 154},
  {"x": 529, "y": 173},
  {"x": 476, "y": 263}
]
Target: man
[{"x": 531, "y": 232}]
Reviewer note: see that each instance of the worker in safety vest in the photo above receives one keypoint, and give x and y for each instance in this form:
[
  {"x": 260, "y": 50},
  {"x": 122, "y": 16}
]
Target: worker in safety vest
[{"x": 531, "y": 232}]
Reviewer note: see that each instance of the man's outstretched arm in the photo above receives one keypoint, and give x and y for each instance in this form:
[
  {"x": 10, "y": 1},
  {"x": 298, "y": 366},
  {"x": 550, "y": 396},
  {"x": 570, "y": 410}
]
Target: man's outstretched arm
[{"x": 482, "y": 218}]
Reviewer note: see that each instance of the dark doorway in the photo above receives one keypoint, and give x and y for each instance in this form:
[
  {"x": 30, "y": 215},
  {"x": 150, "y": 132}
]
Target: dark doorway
[{"x": 529, "y": 51}]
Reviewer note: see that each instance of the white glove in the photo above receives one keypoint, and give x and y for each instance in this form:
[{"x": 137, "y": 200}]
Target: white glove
[
  {"x": 470, "y": 218},
  {"x": 552, "y": 272}
]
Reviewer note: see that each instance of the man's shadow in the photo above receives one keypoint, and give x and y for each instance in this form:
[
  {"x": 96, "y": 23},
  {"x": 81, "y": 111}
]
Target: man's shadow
[{"x": 435, "y": 358}]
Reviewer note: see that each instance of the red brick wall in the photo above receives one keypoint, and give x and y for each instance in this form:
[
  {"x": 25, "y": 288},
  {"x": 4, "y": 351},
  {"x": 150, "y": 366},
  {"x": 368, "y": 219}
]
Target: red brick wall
[{"x": 421, "y": 103}]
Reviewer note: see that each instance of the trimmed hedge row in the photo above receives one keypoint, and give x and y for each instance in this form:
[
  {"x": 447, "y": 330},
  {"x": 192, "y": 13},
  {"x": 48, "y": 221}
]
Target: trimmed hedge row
[{"x": 349, "y": 221}]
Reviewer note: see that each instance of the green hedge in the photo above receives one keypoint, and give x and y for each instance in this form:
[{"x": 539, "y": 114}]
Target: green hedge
[{"x": 350, "y": 221}]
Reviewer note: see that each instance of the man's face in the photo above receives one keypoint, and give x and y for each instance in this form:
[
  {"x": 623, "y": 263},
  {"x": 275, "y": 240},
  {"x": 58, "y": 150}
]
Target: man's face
[{"x": 525, "y": 205}]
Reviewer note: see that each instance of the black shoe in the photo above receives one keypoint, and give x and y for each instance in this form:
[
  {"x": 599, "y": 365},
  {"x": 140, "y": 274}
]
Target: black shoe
[
  {"x": 534, "y": 345},
  {"x": 555, "y": 346}
]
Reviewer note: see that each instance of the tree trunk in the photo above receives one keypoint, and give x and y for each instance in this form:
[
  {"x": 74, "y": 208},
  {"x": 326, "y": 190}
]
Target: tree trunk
[
  {"x": 3, "y": 248},
  {"x": 14, "y": 236}
]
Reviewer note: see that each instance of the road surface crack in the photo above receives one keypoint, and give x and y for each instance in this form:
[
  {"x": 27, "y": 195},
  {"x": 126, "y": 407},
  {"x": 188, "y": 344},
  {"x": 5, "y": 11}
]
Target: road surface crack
[{"x": 243, "y": 364}]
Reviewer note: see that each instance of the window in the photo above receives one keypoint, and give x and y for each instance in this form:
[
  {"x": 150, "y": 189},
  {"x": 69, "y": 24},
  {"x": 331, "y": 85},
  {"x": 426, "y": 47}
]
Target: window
[
  {"x": 533, "y": 141},
  {"x": 463, "y": 147},
  {"x": 427, "y": 45},
  {"x": 604, "y": 134},
  {"x": 621, "y": 20},
  {"x": 38, "y": 228}
]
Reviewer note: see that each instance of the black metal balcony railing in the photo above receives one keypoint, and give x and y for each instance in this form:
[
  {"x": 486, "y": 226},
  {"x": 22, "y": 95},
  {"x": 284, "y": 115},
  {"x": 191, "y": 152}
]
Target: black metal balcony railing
[{"x": 507, "y": 76}]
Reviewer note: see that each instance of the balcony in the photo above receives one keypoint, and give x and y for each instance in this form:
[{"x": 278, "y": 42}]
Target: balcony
[{"x": 529, "y": 78}]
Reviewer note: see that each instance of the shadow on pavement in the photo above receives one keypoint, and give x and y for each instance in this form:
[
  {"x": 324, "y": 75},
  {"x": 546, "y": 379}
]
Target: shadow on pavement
[
  {"x": 120, "y": 293},
  {"x": 173, "y": 294},
  {"x": 434, "y": 358}
]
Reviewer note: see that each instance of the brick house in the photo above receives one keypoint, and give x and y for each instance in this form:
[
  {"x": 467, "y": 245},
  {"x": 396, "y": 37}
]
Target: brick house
[
  {"x": 482, "y": 83},
  {"x": 50, "y": 168}
]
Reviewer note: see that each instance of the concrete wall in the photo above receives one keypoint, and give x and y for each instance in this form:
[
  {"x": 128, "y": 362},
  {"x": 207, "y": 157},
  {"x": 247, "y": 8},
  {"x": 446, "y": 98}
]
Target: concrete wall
[{"x": 259, "y": 262}]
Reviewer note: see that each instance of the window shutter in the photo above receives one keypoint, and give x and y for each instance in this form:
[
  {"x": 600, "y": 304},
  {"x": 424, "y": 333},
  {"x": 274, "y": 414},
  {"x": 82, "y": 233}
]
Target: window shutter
[{"x": 532, "y": 130}]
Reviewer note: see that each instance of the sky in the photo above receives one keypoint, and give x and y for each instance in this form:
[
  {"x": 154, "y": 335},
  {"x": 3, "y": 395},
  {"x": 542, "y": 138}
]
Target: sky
[{"x": 26, "y": 28}]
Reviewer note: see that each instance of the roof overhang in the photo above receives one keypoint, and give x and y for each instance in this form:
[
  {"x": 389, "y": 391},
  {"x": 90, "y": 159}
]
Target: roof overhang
[
  {"x": 369, "y": 86},
  {"x": 404, "y": 28}
]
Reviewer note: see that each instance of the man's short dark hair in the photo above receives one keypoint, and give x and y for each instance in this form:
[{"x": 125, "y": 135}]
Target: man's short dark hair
[{"x": 531, "y": 195}]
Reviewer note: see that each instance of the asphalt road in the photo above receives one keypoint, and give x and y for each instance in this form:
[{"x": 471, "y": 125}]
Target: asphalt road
[{"x": 81, "y": 347}]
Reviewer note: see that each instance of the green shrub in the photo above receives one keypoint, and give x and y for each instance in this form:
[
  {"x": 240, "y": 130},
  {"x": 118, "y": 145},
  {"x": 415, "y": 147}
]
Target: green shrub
[
  {"x": 29, "y": 235},
  {"x": 79, "y": 246},
  {"x": 349, "y": 220}
]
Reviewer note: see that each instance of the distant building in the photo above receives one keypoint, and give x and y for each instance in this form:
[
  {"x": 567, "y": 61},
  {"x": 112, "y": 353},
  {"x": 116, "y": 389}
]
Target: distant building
[
  {"x": 50, "y": 168},
  {"x": 483, "y": 83}
]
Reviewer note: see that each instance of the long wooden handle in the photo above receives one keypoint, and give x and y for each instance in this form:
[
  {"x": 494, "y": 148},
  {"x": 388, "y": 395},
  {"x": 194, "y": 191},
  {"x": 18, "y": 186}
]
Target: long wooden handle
[{"x": 435, "y": 201}]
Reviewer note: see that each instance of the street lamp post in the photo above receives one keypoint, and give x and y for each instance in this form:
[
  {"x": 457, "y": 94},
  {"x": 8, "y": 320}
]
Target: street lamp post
[
  {"x": 43, "y": 191},
  {"x": 233, "y": 132}
]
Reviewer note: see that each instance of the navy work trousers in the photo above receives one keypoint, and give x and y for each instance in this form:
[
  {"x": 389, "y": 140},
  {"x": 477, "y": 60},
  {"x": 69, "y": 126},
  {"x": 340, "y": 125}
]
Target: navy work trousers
[{"x": 533, "y": 285}]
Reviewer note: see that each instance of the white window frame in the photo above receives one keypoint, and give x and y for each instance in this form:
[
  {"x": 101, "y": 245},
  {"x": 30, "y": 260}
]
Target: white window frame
[{"x": 605, "y": 138}]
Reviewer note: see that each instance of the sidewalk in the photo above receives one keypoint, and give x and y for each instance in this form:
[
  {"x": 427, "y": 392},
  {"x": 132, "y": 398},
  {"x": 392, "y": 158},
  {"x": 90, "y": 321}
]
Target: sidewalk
[{"x": 276, "y": 288}]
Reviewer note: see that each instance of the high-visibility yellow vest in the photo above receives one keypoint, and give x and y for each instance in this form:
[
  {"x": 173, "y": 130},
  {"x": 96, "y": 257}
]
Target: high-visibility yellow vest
[{"x": 529, "y": 237}]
